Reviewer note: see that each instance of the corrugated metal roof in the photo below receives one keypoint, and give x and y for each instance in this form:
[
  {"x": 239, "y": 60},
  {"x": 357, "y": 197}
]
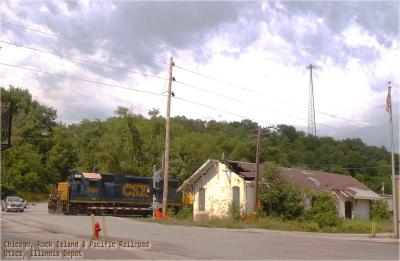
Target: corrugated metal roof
[
  {"x": 91, "y": 175},
  {"x": 313, "y": 180}
]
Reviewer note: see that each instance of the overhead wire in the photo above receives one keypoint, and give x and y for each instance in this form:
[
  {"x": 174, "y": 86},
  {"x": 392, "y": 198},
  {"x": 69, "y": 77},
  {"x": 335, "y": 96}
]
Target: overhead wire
[
  {"x": 149, "y": 75},
  {"x": 257, "y": 93},
  {"x": 217, "y": 80},
  {"x": 158, "y": 94},
  {"x": 148, "y": 92},
  {"x": 122, "y": 87},
  {"x": 82, "y": 60},
  {"x": 81, "y": 79},
  {"x": 77, "y": 41},
  {"x": 216, "y": 109},
  {"x": 248, "y": 103}
]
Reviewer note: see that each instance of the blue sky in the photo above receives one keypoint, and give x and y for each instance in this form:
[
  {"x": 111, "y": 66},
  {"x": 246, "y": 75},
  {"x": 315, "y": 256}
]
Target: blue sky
[{"x": 262, "y": 47}]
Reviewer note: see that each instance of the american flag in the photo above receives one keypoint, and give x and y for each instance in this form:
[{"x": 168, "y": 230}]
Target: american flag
[{"x": 388, "y": 102}]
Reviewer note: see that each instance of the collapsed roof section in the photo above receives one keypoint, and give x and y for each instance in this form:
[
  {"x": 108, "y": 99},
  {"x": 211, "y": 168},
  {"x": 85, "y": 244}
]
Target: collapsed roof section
[{"x": 306, "y": 179}]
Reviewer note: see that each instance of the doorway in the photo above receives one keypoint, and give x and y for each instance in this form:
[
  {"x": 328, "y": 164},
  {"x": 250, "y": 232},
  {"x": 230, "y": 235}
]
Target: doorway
[{"x": 348, "y": 209}]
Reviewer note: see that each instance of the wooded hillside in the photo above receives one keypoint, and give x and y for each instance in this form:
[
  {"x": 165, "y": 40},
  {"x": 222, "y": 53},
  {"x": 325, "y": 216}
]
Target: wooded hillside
[{"x": 45, "y": 151}]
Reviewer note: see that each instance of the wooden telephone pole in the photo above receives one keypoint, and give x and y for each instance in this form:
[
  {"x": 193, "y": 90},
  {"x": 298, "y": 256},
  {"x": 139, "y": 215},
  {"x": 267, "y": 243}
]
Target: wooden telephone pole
[
  {"x": 394, "y": 187},
  {"x": 167, "y": 140},
  {"x": 257, "y": 165}
]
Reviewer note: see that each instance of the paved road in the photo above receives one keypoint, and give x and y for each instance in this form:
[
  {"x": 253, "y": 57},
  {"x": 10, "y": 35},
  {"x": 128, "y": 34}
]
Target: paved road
[{"x": 176, "y": 242}]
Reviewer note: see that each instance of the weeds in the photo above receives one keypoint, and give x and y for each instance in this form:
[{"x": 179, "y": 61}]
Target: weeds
[{"x": 277, "y": 223}]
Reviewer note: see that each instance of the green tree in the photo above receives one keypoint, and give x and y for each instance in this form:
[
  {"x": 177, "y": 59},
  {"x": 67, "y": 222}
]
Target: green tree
[
  {"x": 22, "y": 171},
  {"x": 131, "y": 143},
  {"x": 279, "y": 196},
  {"x": 323, "y": 210},
  {"x": 380, "y": 211},
  {"x": 62, "y": 157}
]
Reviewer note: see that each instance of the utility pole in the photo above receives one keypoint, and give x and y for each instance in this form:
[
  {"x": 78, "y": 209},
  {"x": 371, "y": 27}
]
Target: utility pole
[
  {"x": 394, "y": 187},
  {"x": 10, "y": 115},
  {"x": 167, "y": 139},
  {"x": 257, "y": 165},
  {"x": 94, "y": 162},
  {"x": 312, "y": 130},
  {"x": 6, "y": 123}
]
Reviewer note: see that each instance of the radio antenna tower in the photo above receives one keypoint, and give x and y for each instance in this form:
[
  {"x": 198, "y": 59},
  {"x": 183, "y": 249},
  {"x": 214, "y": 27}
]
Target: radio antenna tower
[{"x": 311, "y": 110}]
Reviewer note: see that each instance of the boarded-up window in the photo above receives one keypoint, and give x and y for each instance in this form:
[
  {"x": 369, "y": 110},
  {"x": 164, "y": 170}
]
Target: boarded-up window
[
  {"x": 236, "y": 195},
  {"x": 202, "y": 199}
]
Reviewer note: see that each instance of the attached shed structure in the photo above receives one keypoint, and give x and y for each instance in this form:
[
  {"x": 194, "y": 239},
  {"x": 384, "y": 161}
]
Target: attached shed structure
[
  {"x": 219, "y": 183},
  {"x": 353, "y": 198}
]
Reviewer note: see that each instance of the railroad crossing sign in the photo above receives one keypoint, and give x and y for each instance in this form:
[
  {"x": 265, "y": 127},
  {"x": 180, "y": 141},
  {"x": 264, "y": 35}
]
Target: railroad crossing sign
[
  {"x": 156, "y": 187},
  {"x": 156, "y": 175}
]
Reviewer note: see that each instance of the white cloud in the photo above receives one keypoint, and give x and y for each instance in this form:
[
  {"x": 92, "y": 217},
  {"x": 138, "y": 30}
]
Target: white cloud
[
  {"x": 355, "y": 36},
  {"x": 271, "y": 66}
]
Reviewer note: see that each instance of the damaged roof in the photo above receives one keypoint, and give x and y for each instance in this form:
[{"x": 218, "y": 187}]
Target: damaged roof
[
  {"x": 307, "y": 179},
  {"x": 246, "y": 170}
]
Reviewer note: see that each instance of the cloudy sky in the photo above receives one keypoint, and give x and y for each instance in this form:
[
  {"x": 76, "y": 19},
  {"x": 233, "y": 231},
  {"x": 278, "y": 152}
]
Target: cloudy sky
[{"x": 233, "y": 60}]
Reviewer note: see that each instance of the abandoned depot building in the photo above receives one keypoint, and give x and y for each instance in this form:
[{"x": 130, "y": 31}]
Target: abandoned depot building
[{"x": 218, "y": 183}]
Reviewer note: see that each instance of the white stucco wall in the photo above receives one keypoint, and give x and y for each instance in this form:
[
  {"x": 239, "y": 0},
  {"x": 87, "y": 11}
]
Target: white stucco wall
[
  {"x": 360, "y": 207},
  {"x": 250, "y": 202},
  {"x": 340, "y": 201},
  {"x": 218, "y": 183}
]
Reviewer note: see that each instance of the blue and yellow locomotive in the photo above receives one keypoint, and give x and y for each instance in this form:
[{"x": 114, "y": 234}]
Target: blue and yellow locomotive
[{"x": 110, "y": 194}]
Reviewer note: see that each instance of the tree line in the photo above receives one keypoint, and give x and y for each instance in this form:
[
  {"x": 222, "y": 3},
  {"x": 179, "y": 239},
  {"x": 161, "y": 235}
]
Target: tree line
[{"x": 45, "y": 151}]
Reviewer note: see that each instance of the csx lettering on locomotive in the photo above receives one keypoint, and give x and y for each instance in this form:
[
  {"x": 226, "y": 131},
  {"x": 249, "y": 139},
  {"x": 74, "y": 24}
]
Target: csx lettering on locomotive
[{"x": 135, "y": 190}]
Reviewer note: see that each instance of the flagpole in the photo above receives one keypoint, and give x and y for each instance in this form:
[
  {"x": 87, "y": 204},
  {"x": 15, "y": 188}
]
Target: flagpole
[{"x": 394, "y": 192}]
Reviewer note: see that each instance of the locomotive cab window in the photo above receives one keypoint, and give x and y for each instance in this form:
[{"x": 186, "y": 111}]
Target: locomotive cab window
[
  {"x": 107, "y": 177},
  {"x": 93, "y": 183},
  {"x": 92, "y": 188}
]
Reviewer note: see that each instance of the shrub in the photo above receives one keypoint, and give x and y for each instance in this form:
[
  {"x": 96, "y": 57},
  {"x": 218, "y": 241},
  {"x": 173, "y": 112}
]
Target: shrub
[
  {"x": 380, "y": 211},
  {"x": 278, "y": 196},
  {"x": 170, "y": 212},
  {"x": 323, "y": 210},
  {"x": 234, "y": 210},
  {"x": 186, "y": 212},
  {"x": 292, "y": 202}
]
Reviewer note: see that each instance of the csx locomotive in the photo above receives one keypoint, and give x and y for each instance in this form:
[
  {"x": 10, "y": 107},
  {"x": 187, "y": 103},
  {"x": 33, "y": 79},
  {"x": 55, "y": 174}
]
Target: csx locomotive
[{"x": 110, "y": 194}]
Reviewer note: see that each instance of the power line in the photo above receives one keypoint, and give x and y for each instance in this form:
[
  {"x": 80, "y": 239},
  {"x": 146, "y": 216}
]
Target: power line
[
  {"x": 217, "y": 80},
  {"x": 81, "y": 79},
  {"x": 138, "y": 90},
  {"x": 250, "y": 104},
  {"x": 179, "y": 67},
  {"x": 209, "y": 92},
  {"x": 122, "y": 87},
  {"x": 115, "y": 51},
  {"x": 364, "y": 167},
  {"x": 217, "y": 109},
  {"x": 254, "y": 92},
  {"x": 77, "y": 41},
  {"x": 81, "y": 60}
]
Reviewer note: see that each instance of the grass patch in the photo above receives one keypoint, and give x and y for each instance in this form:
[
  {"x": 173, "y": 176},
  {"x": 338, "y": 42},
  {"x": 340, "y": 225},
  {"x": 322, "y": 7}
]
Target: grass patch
[{"x": 276, "y": 223}]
